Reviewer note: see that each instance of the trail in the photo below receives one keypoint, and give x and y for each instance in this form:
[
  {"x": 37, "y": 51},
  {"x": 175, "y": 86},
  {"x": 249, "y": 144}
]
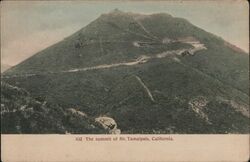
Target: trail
[
  {"x": 134, "y": 33},
  {"x": 107, "y": 66},
  {"x": 196, "y": 46},
  {"x": 142, "y": 35},
  {"x": 74, "y": 111},
  {"x": 146, "y": 88},
  {"x": 140, "y": 60},
  {"x": 146, "y": 31}
]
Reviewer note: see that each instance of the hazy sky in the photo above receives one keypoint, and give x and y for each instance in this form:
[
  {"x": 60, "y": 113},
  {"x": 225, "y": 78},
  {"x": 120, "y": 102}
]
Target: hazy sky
[{"x": 28, "y": 27}]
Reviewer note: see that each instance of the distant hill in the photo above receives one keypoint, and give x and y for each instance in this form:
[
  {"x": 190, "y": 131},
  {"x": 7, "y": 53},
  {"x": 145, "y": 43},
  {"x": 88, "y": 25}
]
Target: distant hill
[{"x": 150, "y": 73}]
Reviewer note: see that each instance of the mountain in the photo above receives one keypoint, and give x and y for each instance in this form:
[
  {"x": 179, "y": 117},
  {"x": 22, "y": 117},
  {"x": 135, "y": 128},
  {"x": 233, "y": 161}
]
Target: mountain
[{"x": 149, "y": 73}]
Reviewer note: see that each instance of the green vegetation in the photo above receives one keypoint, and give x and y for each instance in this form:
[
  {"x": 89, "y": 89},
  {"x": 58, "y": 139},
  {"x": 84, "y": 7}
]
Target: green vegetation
[{"x": 20, "y": 113}]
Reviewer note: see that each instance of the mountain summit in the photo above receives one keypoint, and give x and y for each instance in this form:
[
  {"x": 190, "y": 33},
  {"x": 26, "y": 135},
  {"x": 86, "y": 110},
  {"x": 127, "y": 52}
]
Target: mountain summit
[
  {"x": 116, "y": 10},
  {"x": 143, "y": 74}
]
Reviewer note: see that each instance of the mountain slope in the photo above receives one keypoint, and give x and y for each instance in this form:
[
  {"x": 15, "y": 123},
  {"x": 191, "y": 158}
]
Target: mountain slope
[
  {"x": 20, "y": 113},
  {"x": 150, "y": 73}
]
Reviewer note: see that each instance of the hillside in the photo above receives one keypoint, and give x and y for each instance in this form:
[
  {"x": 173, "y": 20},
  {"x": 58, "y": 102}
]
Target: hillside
[
  {"x": 20, "y": 113},
  {"x": 150, "y": 73}
]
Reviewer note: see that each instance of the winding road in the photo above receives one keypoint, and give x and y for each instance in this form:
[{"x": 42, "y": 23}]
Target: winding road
[{"x": 196, "y": 46}]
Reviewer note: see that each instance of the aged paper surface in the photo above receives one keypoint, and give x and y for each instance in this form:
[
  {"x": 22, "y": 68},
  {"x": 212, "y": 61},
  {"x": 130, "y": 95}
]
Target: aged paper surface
[
  {"x": 129, "y": 81},
  {"x": 182, "y": 148}
]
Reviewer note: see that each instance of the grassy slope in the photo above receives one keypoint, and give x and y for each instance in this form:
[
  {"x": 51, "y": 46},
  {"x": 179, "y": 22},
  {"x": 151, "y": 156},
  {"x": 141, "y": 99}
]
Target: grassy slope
[
  {"x": 20, "y": 113},
  {"x": 219, "y": 61},
  {"x": 118, "y": 94}
]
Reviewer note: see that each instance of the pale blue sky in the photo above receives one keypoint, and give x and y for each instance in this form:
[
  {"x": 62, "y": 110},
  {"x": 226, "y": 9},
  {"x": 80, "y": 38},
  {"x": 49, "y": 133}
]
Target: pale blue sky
[{"x": 28, "y": 27}]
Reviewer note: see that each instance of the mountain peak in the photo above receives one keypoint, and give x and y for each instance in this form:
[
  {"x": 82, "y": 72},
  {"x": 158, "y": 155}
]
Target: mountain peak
[{"x": 116, "y": 11}]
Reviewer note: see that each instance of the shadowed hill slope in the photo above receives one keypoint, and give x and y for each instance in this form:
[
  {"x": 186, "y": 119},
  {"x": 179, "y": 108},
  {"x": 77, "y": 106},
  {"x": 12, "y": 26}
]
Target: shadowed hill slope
[{"x": 20, "y": 113}]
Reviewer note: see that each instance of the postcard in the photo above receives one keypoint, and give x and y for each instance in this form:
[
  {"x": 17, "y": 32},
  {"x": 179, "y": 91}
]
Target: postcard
[{"x": 101, "y": 81}]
